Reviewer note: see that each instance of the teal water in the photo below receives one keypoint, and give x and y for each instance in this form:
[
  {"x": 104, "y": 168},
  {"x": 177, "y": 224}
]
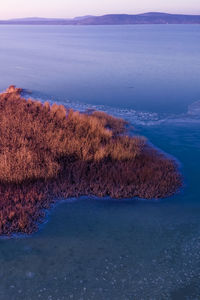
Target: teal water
[{"x": 91, "y": 248}]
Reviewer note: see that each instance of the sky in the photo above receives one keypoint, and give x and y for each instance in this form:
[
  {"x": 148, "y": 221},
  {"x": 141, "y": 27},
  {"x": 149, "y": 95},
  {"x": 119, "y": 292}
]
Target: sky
[{"x": 72, "y": 8}]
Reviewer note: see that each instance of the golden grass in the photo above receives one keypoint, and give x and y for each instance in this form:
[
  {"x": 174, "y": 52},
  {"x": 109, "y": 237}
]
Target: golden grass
[{"x": 49, "y": 151}]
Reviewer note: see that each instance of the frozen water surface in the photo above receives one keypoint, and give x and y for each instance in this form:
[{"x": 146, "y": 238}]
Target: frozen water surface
[{"x": 112, "y": 249}]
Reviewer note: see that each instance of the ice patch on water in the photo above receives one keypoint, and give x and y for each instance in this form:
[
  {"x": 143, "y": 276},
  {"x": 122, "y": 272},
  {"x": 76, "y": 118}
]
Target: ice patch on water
[
  {"x": 194, "y": 108},
  {"x": 141, "y": 118},
  {"x": 192, "y": 116}
]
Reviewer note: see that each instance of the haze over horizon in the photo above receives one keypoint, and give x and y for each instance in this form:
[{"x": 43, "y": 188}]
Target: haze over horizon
[{"x": 74, "y": 8}]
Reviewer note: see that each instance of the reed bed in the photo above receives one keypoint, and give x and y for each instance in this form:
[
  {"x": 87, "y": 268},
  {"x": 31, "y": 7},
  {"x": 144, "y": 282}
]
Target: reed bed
[{"x": 49, "y": 152}]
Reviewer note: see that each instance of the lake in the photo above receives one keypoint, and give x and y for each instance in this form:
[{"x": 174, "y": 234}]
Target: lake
[{"x": 92, "y": 248}]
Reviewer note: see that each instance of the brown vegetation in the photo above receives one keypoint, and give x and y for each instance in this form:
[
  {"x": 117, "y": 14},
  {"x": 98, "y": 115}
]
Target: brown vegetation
[{"x": 48, "y": 152}]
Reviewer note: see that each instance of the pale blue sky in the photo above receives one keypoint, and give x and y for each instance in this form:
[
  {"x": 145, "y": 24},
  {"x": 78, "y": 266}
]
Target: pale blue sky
[{"x": 72, "y": 8}]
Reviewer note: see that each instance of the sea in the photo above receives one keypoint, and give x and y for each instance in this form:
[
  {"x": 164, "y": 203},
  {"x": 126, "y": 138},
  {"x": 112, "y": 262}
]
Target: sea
[{"x": 112, "y": 249}]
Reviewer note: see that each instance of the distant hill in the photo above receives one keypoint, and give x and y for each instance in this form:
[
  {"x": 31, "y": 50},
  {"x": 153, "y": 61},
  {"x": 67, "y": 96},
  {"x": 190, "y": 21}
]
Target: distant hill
[
  {"x": 83, "y": 17},
  {"x": 111, "y": 19}
]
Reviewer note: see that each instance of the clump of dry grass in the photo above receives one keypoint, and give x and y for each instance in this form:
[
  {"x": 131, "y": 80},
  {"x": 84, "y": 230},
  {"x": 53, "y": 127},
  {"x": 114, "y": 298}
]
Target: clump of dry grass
[{"x": 49, "y": 151}]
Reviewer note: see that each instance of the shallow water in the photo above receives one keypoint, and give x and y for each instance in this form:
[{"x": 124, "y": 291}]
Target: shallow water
[{"x": 111, "y": 249}]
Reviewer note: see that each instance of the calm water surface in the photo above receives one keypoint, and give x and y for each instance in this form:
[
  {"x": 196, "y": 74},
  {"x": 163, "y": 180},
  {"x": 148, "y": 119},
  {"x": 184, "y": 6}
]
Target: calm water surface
[{"x": 110, "y": 249}]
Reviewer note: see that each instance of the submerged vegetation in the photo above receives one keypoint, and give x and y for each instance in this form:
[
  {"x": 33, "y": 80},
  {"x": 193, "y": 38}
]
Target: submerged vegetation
[{"x": 48, "y": 152}]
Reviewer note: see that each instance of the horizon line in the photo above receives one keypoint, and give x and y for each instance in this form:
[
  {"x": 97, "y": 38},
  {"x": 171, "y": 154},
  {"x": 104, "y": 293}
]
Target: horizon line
[{"x": 91, "y": 15}]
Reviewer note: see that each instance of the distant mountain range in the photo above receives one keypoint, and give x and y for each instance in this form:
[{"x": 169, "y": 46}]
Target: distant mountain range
[{"x": 111, "y": 19}]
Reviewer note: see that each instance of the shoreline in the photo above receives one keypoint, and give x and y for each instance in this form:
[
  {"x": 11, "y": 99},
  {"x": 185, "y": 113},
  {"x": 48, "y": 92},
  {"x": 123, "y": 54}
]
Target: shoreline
[
  {"x": 57, "y": 202},
  {"x": 66, "y": 154}
]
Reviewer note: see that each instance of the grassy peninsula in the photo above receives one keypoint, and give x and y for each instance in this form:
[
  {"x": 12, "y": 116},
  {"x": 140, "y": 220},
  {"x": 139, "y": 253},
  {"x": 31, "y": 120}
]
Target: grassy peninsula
[{"x": 49, "y": 152}]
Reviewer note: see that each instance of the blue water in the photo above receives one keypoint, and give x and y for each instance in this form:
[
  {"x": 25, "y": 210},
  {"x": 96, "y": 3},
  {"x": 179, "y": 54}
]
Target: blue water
[{"x": 107, "y": 249}]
